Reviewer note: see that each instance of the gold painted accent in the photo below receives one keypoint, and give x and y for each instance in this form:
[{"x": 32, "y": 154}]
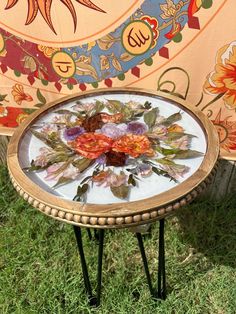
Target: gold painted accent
[
  {"x": 63, "y": 64},
  {"x": 137, "y": 37}
]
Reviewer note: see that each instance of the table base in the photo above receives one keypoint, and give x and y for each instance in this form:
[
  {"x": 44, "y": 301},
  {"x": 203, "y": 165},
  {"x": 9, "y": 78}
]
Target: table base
[{"x": 156, "y": 293}]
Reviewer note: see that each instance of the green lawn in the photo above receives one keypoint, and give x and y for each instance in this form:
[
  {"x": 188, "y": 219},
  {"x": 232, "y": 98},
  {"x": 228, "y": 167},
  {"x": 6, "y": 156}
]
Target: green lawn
[{"x": 40, "y": 268}]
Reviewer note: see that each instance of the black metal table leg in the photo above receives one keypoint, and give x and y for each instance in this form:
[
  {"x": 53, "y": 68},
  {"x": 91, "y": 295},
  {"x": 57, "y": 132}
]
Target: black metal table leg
[
  {"x": 145, "y": 263},
  {"x": 161, "y": 283},
  {"x": 160, "y": 293},
  {"x": 93, "y": 301},
  {"x": 99, "y": 270}
]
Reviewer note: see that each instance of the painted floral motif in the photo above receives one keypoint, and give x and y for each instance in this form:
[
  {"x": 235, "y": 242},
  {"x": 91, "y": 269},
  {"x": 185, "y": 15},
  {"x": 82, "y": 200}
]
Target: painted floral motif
[
  {"x": 227, "y": 132},
  {"x": 48, "y": 51},
  {"x": 121, "y": 143},
  {"x": 222, "y": 81},
  {"x": 19, "y": 95}
]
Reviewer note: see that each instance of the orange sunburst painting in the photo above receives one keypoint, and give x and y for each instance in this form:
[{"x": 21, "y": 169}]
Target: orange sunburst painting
[{"x": 44, "y": 7}]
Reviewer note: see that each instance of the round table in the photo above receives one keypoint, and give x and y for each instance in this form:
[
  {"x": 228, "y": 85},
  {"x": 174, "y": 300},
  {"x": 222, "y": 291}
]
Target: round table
[{"x": 113, "y": 158}]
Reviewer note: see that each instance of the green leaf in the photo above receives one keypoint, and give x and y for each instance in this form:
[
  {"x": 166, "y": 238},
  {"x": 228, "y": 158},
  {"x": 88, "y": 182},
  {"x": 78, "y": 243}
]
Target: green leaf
[
  {"x": 172, "y": 136},
  {"x": 85, "y": 179},
  {"x": 171, "y": 119},
  {"x": 2, "y": 97},
  {"x": 150, "y": 117},
  {"x": 121, "y": 191},
  {"x": 114, "y": 106},
  {"x": 161, "y": 172},
  {"x": 65, "y": 111},
  {"x": 99, "y": 106},
  {"x": 82, "y": 164},
  {"x": 40, "y": 97},
  {"x": 81, "y": 190},
  {"x": 147, "y": 105},
  {"x": 167, "y": 151},
  {"x": 62, "y": 180},
  {"x": 39, "y": 105},
  {"x": 187, "y": 154},
  {"x": 131, "y": 180}
]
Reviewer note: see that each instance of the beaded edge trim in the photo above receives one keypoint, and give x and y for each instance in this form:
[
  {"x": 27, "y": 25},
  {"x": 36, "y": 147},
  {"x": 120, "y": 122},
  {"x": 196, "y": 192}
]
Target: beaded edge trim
[{"x": 115, "y": 222}]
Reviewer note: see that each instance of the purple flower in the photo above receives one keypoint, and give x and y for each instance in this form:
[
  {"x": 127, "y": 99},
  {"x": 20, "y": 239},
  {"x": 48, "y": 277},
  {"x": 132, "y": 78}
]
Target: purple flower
[
  {"x": 113, "y": 130},
  {"x": 101, "y": 160},
  {"x": 144, "y": 169},
  {"x": 137, "y": 128},
  {"x": 72, "y": 133}
]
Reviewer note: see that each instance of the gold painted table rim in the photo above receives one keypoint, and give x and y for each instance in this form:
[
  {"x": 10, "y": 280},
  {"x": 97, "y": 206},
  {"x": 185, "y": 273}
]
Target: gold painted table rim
[{"x": 117, "y": 215}]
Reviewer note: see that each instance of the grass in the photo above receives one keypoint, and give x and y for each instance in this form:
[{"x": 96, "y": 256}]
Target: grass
[{"x": 40, "y": 269}]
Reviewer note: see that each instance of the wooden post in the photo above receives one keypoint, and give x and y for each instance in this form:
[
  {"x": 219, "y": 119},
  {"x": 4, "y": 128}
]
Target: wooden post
[{"x": 3, "y": 148}]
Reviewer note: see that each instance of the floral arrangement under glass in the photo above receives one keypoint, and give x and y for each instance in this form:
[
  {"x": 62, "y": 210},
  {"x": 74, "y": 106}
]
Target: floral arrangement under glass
[{"x": 122, "y": 143}]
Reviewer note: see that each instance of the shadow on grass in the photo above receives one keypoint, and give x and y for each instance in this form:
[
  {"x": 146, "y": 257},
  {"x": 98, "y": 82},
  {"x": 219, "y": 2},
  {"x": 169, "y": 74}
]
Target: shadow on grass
[{"x": 210, "y": 228}]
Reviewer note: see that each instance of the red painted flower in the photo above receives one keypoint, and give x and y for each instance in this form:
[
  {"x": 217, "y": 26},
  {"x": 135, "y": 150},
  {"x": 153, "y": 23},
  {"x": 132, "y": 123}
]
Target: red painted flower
[
  {"x": 92, "y": 145},
  {"x": 134, "y": 145},
  {"x": 10, "y": 119}
]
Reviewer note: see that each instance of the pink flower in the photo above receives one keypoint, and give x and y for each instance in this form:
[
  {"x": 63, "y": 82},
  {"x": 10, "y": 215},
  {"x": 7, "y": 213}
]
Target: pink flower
[
  {"x": 84, "y": 107},
  {"x": 181, "y": 143},
  {"x": 144, "y": 170},
  {"x": 159, "y": 131},
  {"x": 44, "y": 157},
  {"x": 109, "y": 178},
  {"x": 49, "y": 128},
  {"x": 58, "y": 170},
  {"x": 176, "y": 171}
]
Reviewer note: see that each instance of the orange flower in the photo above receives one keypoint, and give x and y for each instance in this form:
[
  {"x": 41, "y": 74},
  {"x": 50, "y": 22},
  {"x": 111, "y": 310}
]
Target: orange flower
[
  {"x": 175, "y": 128},
  {"x": 19, "y": 94},
  {"x": 114, "y": 118},
  {"x": 223, "y": 79},
  {"x": 227, "y": 132},
  {"x": 92, "y": 145},
  {"x": 134, "y": 145}
]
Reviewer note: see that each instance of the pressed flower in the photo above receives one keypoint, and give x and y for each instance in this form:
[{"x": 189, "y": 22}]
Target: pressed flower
[
  {"x": 19, "y": 95},
  {"x": 60, "y": 169},
  {"x": 101, "y": 160},
  {"x": 175, "y": 128},
  {"x": 110, "y": 179},
  {"x": 134, "y": 105},
  {"x": 49, "y": 128},
  {"x": 134, "y": 145},
  {"x": 176, "y": 171},
  {"x": 158, "y": 131},
  {"x": 113, "y": 130},
  {"x": 93, "y": 123},
  {"x": 71, "y": 134},
  {"x": 114, "y": 118},
  {"x": 137, "y": 128},
  {"x": 144, "y": 170},
  {"x": 44, "y": 156},
  {"x": 84, "y": 107},
  {"x": 115, "y": 159},
  {"x": 181, "y": 143},
  {"x": 92, "y": 145}
]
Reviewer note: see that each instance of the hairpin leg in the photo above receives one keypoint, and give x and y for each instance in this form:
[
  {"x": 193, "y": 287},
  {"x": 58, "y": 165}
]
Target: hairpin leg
[
  {"x": 161, "y": 283},
  {"x": 145, "y": 263},
  {"x": 93, "y": 301}
]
